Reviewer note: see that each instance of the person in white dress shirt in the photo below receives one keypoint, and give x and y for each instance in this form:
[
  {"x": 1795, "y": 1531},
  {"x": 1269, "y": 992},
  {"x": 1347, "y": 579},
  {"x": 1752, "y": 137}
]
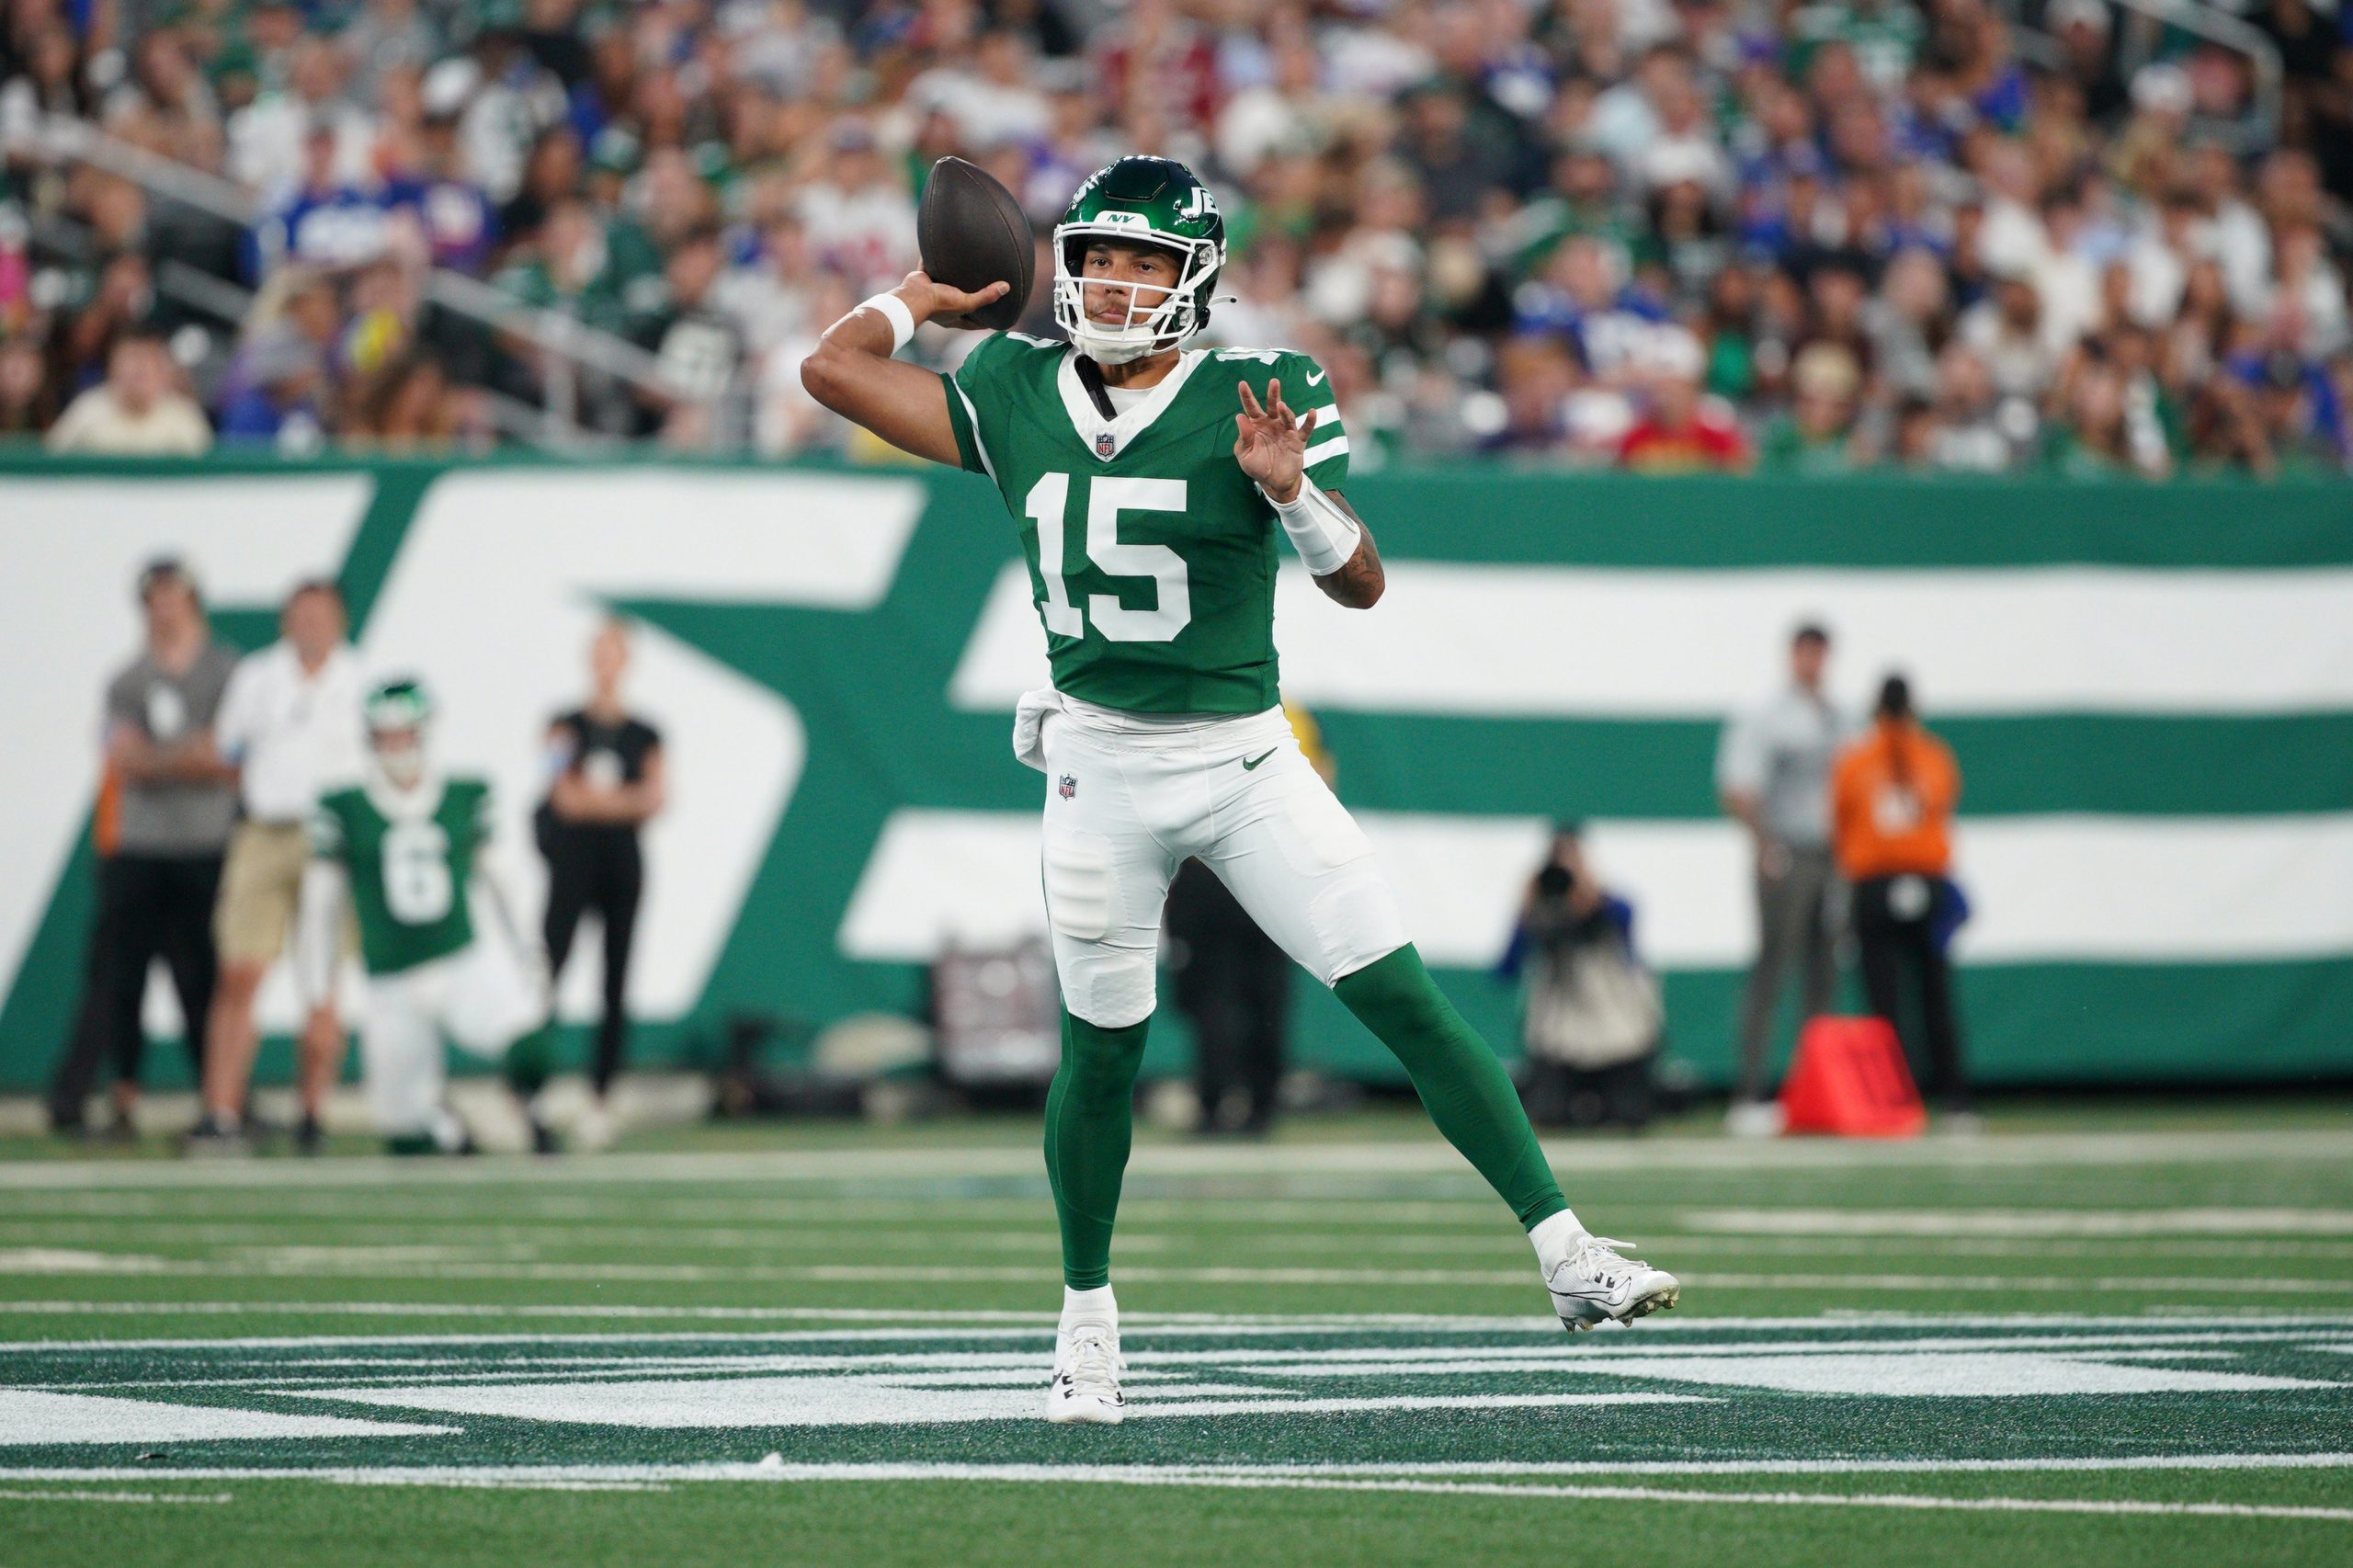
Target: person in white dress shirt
[{"x": 291, "y": 723}]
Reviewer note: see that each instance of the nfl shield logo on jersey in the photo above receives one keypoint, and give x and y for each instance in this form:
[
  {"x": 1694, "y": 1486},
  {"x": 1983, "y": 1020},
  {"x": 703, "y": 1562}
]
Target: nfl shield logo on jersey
[
  {"x": 1068, "y": 786},
  {"x": 1105, "y": 443}
]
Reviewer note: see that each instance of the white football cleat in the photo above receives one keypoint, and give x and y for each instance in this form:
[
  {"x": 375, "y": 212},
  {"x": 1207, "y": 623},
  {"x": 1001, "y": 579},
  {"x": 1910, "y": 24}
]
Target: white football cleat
[
  {"x": 593, "y": 1130},
  {"x": 1086, "y": 1390},
  {"x": 1595, "y": 1285}
]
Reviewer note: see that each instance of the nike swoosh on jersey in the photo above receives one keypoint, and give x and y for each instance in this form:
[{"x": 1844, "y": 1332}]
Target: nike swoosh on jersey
[
  {"x": 1249, "y": 763},
  {"x": 1315, "y": 377}
]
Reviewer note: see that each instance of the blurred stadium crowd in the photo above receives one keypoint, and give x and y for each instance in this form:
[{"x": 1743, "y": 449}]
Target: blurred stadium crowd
[{"x": 1661, "y": 233}]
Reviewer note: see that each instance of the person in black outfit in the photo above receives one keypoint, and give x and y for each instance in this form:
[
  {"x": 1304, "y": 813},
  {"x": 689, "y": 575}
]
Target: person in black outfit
[
  {"x": 1233, "y": 984},
  {"x": 607, "y": 773}
]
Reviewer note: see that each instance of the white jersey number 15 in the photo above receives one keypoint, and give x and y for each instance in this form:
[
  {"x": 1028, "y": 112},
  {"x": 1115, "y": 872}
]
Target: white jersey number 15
[{"x": 1107, "y": 497}]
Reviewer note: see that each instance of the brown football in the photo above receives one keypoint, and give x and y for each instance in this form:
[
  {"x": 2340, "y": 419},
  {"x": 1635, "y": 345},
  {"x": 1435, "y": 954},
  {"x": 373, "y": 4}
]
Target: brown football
[{"x": 972, "y": 233}]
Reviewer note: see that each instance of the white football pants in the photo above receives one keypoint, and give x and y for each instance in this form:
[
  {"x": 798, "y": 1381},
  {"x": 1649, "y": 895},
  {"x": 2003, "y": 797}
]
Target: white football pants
[
  {"x": 478, "y": 999},
  {"x": 1128, "y": 801}
]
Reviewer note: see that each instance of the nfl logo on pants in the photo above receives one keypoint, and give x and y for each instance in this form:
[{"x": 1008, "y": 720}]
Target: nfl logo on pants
[{"x": 1068, "y": 786}]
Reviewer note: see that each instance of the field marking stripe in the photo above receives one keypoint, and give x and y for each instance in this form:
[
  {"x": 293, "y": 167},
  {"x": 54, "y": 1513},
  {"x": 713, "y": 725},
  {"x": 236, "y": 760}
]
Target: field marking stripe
[
  {"x": 28, "y": 1494},
  {"x": 2051, "y": 1464},
  {"x": 143, "y": 1267},
  {"x": 992, "y": 1324},
  {"x": 1403, "y": 1156},
  {"x": 1435, "y": 1472},
  {"x": 1767, "y": 1499}
]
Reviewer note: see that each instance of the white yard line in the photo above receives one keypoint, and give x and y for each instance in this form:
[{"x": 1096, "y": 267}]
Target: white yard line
[
  {"x": 2142, "y": 1327},
  {"x": 1771, "y": 1499},
  {"x": 1943, "y": 1224},
  {"x": 1621, "y": 1356},
  {"x": 775, "y": 1468},
  {"x": 1476, "y": 1240},
  {"x": 1403, "y": 1156},
  {"x": 30, "y": 1495},
  {"x": 363, "y": 1263}
]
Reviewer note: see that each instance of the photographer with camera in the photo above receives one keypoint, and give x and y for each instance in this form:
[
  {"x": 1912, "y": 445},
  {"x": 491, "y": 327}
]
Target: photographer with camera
[{"x": 1590, "y": 1014}]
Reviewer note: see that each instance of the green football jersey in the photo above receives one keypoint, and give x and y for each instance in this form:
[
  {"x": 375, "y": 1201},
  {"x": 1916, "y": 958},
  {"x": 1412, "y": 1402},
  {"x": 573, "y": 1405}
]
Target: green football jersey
[
  {"x": 410, "y": 862},
  {"x": 1152, "y": 554}
]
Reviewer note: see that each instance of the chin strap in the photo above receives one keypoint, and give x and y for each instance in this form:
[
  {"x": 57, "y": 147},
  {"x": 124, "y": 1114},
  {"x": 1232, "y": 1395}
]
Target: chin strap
[{"x": 1090, "y": 376}]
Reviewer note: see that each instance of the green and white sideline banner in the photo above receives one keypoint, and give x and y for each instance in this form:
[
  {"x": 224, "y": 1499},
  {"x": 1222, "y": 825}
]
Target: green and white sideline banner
[{"x": 2150, "y": 691}]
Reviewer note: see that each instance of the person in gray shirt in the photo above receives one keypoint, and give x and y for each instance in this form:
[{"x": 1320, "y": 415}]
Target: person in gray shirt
[
  {"x": 1773, "y": 775},
  {"x": 160, "y": 867}
]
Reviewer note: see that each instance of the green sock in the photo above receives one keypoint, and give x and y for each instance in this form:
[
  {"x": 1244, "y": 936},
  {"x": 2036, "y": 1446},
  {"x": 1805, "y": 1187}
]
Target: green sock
[
  {"x": 1090, "y": 1122},
  {"x": 530, "y": 1061},
  {"x": 1466, "y": 1090}
]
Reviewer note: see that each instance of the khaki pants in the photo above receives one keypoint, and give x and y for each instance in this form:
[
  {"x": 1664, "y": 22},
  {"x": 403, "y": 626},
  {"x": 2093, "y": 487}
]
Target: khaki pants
[{"x": 259, "y": 888}]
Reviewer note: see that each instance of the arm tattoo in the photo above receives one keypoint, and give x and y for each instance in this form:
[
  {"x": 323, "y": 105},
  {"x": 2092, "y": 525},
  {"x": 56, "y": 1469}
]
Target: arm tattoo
[{"x": 1359, "y": 584}]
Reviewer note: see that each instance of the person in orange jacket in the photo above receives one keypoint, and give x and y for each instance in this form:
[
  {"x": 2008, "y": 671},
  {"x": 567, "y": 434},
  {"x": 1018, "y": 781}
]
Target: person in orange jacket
[{"x": 1891, "y": 798}]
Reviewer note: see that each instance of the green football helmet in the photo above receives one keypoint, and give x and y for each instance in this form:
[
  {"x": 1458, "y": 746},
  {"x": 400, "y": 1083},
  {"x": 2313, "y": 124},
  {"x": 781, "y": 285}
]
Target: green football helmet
[
  {"x": 395, "y": 713},
  {"x": 1140, "y": 200}
]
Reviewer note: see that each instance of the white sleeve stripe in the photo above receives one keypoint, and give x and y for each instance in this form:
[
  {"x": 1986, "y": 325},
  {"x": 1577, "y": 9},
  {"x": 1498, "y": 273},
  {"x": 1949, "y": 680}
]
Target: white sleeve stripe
[
  {"x": 972, "y": 417},
  {"x": 1338, "y": 447}
]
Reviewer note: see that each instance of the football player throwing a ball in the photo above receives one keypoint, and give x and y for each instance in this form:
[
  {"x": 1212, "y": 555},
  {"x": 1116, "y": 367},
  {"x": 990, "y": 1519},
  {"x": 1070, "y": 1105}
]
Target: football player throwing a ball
[{"x": 1151, "y": 483}]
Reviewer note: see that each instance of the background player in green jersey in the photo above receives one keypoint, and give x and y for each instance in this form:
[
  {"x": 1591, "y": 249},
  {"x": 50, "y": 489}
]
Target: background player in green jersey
[
  {"x": 1151, "y": 483},
  {"x": 404, "y": 845}
]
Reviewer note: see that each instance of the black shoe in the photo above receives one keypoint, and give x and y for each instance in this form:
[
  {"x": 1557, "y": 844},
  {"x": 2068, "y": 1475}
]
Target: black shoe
[
  {"x": 544, "y": 1140},
  {"x": 208, "y": 1140},
  {"x": 310, "y": 1138}
]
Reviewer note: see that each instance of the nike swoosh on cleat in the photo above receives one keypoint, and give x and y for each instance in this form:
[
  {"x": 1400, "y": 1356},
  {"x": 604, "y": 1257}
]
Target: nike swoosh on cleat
[{"x": 1248, "y": 763}]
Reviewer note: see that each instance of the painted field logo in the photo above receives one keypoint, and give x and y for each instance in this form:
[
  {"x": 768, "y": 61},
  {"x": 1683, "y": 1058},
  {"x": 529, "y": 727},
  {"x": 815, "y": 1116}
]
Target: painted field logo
[{"x": 1200, "y": 1391}]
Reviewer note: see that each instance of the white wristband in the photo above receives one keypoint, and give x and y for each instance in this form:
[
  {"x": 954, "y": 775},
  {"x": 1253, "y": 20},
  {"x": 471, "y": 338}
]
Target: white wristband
[
  {"x": 1325, "y": 537},
  {"x": 893, "y": 310}
]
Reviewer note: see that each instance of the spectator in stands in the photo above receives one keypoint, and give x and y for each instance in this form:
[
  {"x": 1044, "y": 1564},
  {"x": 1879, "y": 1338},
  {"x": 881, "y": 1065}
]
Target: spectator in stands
[
  {"x": 138, "y": 410},
  {"x": 1773, "y": 777},
  {"x": 27, "y": 406},
  {"x": 1818, "y": 435},
  {"x": 695, "y": 341},
  {"x": 322, "y": 220},
  {"x": 428, "y": 181},
  {"x": 282, "y": 398},
  {"x": 1426, "y": 187},
  {"x": 1892, "y": 796},
  {"x": 176, "y": 803},
  {"x": 290, "y": 724},
  {"x": 1681, "y": 429}
]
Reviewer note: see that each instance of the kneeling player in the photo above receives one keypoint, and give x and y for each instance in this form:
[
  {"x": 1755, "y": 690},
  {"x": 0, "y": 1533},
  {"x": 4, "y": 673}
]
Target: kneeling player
[
  {"x": 403, "y": 846},
  {"x": 1150, "y": 483}
]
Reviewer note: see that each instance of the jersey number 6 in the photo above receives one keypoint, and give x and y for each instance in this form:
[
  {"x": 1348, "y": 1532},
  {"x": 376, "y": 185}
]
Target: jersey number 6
[
  {"x": 417, "y": 885},
  {"x": 1107, "y": 497}
]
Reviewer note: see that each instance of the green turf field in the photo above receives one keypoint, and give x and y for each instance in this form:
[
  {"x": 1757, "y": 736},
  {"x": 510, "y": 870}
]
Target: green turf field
[{"x": 2088, "y": 1337}]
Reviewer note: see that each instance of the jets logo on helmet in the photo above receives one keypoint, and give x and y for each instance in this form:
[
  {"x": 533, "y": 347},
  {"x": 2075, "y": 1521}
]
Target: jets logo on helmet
[{"x": 1140, "y": 200}]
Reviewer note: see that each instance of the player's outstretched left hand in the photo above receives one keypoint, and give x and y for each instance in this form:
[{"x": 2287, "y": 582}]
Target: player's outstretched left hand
[{"x": 1269, "y": 443}]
